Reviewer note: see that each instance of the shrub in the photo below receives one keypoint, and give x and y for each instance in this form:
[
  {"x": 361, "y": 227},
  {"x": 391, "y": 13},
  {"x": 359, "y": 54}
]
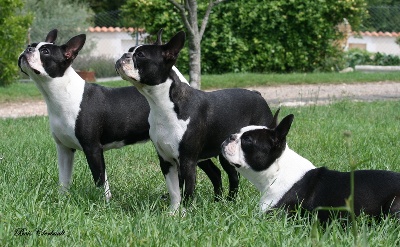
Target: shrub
[
  {"x": 260, "y": 35},
  {"x": 355, "y": 57},
  {"x": 13, "y": 33},
  {"x": 277, "y": 36}
]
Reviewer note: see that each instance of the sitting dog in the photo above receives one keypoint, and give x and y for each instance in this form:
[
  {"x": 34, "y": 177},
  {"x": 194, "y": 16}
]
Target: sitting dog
[
  {"x": 286, "y": 179},
  {"x": 87, "y": 116},
  {"x": 186, "y": 124}
]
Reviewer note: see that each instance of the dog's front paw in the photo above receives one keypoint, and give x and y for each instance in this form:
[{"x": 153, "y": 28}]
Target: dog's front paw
[{"x": 177, "y": 212}]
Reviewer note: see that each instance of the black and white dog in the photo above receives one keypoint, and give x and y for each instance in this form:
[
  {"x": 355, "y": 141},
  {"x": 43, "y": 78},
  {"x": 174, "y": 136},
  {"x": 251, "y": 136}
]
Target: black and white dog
[
  {"x": 87, "y": 116},
  {"x": 286, "y": 179},
  {"x": 187, "y": 125}
]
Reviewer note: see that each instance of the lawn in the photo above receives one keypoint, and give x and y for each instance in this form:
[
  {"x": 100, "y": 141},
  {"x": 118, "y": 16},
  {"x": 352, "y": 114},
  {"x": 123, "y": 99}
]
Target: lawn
[
  {"x": 28, "y": 91},
  {"x": 136, "y": 216}
]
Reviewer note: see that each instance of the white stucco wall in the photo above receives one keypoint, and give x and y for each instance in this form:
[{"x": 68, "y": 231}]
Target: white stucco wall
[
  {"x": 112, "y": 44},
  {"x": 383, "y": 44}
]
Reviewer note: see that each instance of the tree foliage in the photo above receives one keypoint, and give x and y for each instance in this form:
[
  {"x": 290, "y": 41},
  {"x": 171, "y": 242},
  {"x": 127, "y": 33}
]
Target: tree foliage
[
  {"x": 13, "y": 33},
  {"x": 261, "y": 35},
  {"x": 69, "y": 17}
]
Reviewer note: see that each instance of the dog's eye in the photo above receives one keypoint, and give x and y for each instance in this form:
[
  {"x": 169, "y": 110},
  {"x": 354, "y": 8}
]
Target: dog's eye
[
  {"x": 45, "y": 51},
  {"x": 247, "y": 139},
  {"x": 139, "y": 54}
]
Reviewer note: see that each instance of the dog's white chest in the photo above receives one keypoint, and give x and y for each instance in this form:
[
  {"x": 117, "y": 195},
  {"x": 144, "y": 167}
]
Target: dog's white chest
[
  {"x": 63, "y": 105},
  {"x": 280, "y": 177},
  {"x": 166, "y": 130}
]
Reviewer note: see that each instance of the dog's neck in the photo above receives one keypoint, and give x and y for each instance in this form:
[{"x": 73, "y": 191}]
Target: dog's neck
[
  {"x": 274, "y": 182},
  {"x": 61, "y": 93},
  {"x": 157, "y": 95}
]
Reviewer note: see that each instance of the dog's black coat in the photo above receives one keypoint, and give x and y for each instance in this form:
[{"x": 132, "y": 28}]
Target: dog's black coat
[
  {"x": 110, "y": 115},
  {"x": 376, "y": 192},
  {"x": 217, "y": 114}
]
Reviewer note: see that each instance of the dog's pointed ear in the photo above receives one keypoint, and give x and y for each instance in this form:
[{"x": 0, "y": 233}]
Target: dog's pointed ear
[
  {"x": 74, "y": 45},
  {"x": 159, "y": 40},
  {"x": 174, "y": 46},
  {"x": 283, "y": 128},
  {"x": 51, "y": 36},
  {"x": 274, "y": 121}
]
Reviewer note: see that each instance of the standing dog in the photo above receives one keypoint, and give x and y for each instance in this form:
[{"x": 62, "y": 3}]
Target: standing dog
[
  {"x": 285, "y": 179},
  {"x": 87, "y": 116},
  {"x": 187, "y": 125}
]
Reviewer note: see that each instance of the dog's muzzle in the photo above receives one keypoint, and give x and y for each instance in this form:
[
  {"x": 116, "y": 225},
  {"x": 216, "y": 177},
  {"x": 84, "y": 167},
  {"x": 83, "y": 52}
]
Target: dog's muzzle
[
  {"x": 226, "y": 150},
  {"x": 120, "y": 62},
  {"x": 23, "y": 58}
]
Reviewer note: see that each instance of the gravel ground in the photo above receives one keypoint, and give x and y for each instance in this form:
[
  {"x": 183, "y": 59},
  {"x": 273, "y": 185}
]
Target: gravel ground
[{"x": 287, "y": 95}]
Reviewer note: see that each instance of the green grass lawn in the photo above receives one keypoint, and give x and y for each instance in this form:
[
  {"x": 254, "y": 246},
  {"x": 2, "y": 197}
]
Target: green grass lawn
[
  {"x": 137, "y": 216},
  {"x": 28, "y": 91}
]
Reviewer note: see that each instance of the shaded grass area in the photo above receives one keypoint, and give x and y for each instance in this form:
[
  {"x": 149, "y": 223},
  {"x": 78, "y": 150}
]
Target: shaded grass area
[
  {"x": 137, "y": 216},
  {"x": 28, "y": 91}
]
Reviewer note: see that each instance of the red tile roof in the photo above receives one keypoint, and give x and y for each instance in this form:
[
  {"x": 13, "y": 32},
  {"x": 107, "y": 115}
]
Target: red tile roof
[
  {"x": 113, "y": 29},
  {"x": 132, "y": 29},
  {"x": 378, "y": 34}
]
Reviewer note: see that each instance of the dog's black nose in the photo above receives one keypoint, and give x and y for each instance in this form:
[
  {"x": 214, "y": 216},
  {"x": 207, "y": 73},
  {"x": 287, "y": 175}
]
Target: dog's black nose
[
  {"x": 30, "y": 49},
  {"x": 128, "y": 55},
  {"x": 232, "y": 137}
]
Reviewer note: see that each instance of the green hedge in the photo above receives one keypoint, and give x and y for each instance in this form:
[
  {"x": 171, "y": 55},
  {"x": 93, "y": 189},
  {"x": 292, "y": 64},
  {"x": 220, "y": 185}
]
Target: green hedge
[
  {"x": 13, "y": 33},
  {"x": 258, "y": 35}
]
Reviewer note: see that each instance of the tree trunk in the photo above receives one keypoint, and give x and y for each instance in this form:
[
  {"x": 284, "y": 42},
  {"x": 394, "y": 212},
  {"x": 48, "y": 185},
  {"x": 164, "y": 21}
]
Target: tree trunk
[
  {"x": 194, "y": 62},
  {"x": 188, "y": 12}
]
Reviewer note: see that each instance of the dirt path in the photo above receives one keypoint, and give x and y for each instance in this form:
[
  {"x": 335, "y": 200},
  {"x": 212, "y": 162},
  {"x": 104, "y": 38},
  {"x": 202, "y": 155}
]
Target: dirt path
[{"x": 287, "y": 95}]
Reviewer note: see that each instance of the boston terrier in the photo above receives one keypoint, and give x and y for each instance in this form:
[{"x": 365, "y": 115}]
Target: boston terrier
[
  {"x": 87, "y": 116},
  {"x": 286, "y": 179},
  {"x": 186, "y": 124}
]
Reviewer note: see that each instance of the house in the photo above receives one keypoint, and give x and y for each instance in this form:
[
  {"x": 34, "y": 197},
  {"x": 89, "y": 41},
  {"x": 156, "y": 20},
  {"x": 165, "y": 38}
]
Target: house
[{"x": 383, "y": 42}]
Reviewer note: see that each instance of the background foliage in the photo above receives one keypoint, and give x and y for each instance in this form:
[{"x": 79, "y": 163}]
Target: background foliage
[
  {"x": 361, "y": 57},
  {"x": 260, "y": 36},
  {"x": 13, "y": 33},
  {"x": 69, "y": 17}
]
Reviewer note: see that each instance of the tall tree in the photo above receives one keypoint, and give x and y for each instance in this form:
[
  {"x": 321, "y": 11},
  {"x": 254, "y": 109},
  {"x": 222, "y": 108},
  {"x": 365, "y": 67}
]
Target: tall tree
[{"x": 188, "y": 10}]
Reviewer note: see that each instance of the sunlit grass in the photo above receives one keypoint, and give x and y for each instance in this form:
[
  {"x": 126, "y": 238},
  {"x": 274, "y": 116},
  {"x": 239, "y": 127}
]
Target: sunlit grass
[{"x": 137, "y": 216}]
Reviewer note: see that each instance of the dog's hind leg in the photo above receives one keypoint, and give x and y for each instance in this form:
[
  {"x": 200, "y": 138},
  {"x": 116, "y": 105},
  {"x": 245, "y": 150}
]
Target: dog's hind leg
[
  {"x": 65, "y": 157},
  {"x": 214, "y": 174},
  {"x": 233, "y": 177},
  {"x": 394, "y": 207}
]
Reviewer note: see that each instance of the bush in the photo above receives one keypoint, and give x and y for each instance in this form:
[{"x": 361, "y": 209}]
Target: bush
[
  {"x": 259, "y": 35},
  {"x": 361, "y": 57},
  {"x": 277, "y": 36},
  {"x": 13, "y": 34}
]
